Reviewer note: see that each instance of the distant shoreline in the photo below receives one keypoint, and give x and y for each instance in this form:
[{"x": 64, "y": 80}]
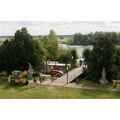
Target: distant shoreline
[{"x": 34, "y": 36}]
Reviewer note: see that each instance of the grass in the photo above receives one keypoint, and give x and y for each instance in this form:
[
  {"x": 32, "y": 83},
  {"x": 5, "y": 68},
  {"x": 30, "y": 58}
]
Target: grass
[
  {"x": 93, "y": 84},
  {"x": 33, "y": 91}
]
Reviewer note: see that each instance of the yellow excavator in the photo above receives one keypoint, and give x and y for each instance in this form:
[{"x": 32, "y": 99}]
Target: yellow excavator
[{"x": 18, "y": 77}]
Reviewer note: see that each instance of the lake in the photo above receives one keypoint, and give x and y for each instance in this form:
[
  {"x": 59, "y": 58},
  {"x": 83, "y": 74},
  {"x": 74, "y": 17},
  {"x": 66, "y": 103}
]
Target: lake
[{"x": 78, "y": 48}]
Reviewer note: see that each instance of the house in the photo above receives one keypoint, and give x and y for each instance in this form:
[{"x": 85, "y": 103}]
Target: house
[{"x": 53, "y": 65}]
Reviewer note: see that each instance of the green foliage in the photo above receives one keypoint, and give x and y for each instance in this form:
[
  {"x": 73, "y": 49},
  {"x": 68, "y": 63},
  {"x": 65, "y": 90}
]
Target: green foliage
[
  {"x": 68, "y": 57},
  {"x": 116, "y": 71},
  {"x": 62, "y": 40},
  {"x": 65, "y": 56},
  {"x": 33, "y": 91},
  {"x": 70, "y": 41},
  {"x": 116, "y": 64},
  {"x": 38, "y": 57},
  {"x": 74, "y": 57},
  {"x": 81, "y": 39},
  {"x": 36, "y": 74},
  {"x": 117, "y": 55},
  {"x": 51, "y": 45},
  {"x": 88, "y": 39},
  {"x": 19, "y": 51},
  {"x": 101, "y": 57},
  {"x": 86, "y": 54}
]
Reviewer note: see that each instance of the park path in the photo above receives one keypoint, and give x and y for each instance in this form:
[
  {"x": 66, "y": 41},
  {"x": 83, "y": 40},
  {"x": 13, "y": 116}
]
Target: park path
[
  {"x": 62, "y": 81},
  {"x": 71, "y": 76},
  {"x": 73, "y": 85},
  {"x": 111, "y": 89}
]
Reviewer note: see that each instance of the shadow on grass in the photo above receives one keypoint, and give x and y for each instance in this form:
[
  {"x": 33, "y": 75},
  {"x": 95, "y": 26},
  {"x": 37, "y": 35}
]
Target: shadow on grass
[
  {"x": 93, "y": 84},
  {"x": 116, "y": 94},
  {"x": 94, "y": 94},
  {"x": 5, "y": 85},
  {"x": 98, "y": 94}
]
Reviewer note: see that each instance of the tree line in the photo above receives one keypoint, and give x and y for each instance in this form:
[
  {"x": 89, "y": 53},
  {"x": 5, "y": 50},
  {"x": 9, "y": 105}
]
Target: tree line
[
  {"x": 16, "y": 53},
  {"x": 88, "y": 39}
]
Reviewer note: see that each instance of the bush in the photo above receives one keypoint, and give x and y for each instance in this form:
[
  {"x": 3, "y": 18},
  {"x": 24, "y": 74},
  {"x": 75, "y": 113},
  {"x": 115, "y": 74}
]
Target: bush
[
  {"x": 36, "y": 74},
  {"x": 86, "y": 54}
]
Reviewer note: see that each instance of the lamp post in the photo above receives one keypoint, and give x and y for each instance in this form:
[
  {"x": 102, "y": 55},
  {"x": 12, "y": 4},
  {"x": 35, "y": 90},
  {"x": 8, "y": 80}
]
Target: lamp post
[
  {"x": 52, "y": 73},
  {"x": 67, "y": 73}
]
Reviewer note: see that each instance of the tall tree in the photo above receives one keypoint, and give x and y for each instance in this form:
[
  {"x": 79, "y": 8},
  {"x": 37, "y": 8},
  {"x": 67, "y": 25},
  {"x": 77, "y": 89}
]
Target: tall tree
[
  {"x": 101, "y": 57},
  {"x": 86, "y": 54},
  {"x": 38, "y": 57},
  {"x": 50, "y": 43},
  {"x": 65, "y": 57},
  {"x": 19, "y": 51},
  {"x": 74, "y": 55}
]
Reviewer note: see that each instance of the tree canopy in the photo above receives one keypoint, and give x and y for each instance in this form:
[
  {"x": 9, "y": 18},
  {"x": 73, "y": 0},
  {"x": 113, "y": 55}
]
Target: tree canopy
[
  {"x": 101, "y": 57},
  {"x": 51, "y": 45},
  {"x": 75, "y": 56},
  {"x": 19, "y": 51},
  {"x": 88, "y": 39},
  {"x": 86, "y": 54},
  {"x": 68, "y": 56},
  {"x": 65, "y": 57}
]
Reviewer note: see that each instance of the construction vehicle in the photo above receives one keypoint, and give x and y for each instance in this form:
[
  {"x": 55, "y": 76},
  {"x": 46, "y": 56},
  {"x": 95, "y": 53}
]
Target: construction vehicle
[{"x": 18, "y": 77}]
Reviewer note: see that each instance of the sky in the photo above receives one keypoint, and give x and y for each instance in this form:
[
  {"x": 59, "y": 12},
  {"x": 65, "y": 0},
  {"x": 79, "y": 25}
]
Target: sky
[{"x": 60, "y": 27}]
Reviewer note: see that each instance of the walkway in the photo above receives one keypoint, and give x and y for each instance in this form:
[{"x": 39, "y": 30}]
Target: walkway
[
  {"x": 73, "y": 85},
  {"x": 71, "y": 76}
]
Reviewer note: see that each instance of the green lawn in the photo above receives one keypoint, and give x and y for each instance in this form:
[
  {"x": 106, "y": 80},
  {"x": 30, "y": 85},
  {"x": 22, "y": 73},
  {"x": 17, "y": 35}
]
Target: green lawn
[
  {"x": 33, "y": 91},
  {"x": 93, "y": 84}
]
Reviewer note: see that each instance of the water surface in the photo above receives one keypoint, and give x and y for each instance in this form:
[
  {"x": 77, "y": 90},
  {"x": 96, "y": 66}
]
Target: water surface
[{"x": 78, "y": 48}]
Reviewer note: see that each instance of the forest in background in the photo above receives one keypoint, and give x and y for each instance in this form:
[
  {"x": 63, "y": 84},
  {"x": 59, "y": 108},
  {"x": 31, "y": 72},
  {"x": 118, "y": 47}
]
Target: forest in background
[{"x": 88, "y": 39}]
